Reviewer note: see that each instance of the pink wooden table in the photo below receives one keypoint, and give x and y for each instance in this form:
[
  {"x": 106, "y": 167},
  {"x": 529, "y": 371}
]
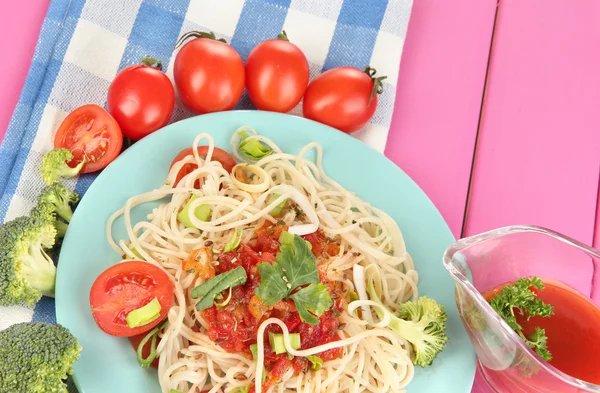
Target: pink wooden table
[{"x": 497, "y": 115}]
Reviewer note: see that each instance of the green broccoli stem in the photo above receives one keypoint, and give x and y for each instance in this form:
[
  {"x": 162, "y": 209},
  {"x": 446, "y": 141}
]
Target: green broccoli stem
[
  {"x": 40, "y": 270},
  {"x": 64, "y": 211},
  {"x": 405, "y": 329},
  {"x": 69, "y": 172},
  {"x": 61, "y": 228},
  {"x": 399, "y": 326}
]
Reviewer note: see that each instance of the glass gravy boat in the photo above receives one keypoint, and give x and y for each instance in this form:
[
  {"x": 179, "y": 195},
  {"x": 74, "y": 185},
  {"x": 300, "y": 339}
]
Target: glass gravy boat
[{"x": 483, "y": 262}]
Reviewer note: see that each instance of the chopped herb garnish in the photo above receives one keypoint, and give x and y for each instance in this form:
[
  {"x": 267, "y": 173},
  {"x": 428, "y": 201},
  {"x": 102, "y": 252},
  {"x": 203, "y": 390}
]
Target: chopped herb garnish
[
  {"x": 254, "y": 351},
  {"x": 235, "y": 240},
  {"x": 312, "y": 300},
  {"x": 295, "y": 267},
  {"x": 519, "y": 297},
  {"x": 152, "y": 335},
  {"x": 144, "y": 315},
  {"x": 276, "y": 211},
  {"x": 253, "y": 149},
  {"x": 202, "y": 213},
  {"x": 315, "y": 362},
  {"x": 226, "y": 301},
  {"x": 241, "y": 389},
  {"x": 352, "y": 295},
  {"x": 209, "y": 289}
]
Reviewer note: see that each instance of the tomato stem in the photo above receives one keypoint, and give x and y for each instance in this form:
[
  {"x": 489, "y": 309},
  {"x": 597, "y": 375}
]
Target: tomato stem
[
  {"x": 377, "y": 82},
  {"x": 283, "y": 36},
  {"x": 151, "y": 62},
  {"x": 197, "y": 34}
]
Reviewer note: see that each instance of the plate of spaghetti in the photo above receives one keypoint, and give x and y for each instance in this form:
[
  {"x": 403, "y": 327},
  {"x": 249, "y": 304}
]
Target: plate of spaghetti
[{"x": 249, "y": 252}]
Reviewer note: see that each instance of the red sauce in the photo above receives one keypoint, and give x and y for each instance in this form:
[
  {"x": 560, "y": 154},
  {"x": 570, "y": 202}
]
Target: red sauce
[
  {"x": 573, "y": 331},
  {"x": 234, "y": 327}
]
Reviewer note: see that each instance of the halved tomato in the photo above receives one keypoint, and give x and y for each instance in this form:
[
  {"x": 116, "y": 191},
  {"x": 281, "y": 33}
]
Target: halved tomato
[
  {"x": 125, "y": 287},
  {"x": 220, "y": 155},
  {"x": 92, "y": 133}
]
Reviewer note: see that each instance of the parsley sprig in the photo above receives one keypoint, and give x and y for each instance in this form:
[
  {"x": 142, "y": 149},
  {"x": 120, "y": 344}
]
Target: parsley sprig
[
  {"x": 520, "y": 298},
  {"x": 295, "y": 267}
]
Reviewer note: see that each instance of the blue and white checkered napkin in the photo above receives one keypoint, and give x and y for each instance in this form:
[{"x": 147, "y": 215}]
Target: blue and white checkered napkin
[{"x": 83, "y": 44}]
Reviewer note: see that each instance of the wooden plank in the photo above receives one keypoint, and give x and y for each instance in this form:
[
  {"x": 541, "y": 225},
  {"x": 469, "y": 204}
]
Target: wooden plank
[
  {"x": 21, "y": 22},
  {"x": 596, "y": 244},
  {"x": 439, "y": 96},
  {"x": 538, "y": 152}
]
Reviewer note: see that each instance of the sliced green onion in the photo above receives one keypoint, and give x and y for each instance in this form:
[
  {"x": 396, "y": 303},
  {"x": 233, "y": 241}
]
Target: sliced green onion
[
  {"x": 175, "y": 391},
  {"x": 241, "y": 389},
  {"x": 254, "y": 350},
  {"x": 276, "y": 211},
  {"x": 235, "y": 240},
  {"x": 353, "y": 295},
  {"x": 295, "y": 340},
  {"x": 135, "y": 252},
  {"x": 286, "y": 238},
  {"x": 226, "y": 301},
  {"x": 253, "y": 149},
  {"x": 209, "y": 289},
  {"x": 278, "y": 343},
  {"x": 315, "y": 362},
  {"x": 202, "y": 213},
  {"x": 153, "y": 334},
  {"x": 144, "y": 315}
]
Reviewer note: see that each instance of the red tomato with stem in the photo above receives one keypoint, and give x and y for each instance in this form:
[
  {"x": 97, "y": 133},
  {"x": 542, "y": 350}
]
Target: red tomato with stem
[
  {"x": 90, "y": 133},
  {"x": 220, "y": 155},
  {"x": 344, "y": 98},
  {"x": 125, "y": 287},
  {"x": 209, "y": 74},
  {"x": 276, "y": 75},
  {"x": 141, "y": 98}
]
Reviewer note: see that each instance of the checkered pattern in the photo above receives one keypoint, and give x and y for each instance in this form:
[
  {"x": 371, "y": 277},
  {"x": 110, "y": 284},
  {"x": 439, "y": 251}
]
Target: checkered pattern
[{"x": 83, "y": 44}]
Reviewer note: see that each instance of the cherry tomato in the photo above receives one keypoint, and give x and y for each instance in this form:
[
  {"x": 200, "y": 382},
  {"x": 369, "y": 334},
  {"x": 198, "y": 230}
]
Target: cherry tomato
[
  {"x": 141, "y": 99},
  {"x": 220, "y": 155},
  {"x": 135, "y": 343},
  {"x": 344, "y": 98},
  {"x": 125, "y": 287},
  {"x": 276, "y": 75},
  {"x": 92, "y": 133},
  {"x": 209, "y": 74}
]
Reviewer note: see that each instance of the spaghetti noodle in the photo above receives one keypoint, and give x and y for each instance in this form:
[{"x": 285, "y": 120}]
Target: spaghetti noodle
[{"x": 366, "y": 242}]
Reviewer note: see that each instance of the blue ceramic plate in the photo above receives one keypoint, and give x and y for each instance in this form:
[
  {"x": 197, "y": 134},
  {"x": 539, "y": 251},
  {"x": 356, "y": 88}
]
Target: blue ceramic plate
[{"x": 108, "y": 364}]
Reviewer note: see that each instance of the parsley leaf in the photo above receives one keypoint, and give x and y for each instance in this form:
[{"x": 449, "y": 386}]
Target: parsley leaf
[
  {"x": 519, "y": 297},
  {"x": 297, "y": 262},
  {"x": 312, "y": 300},
  {"x": 272, "y": 287},
  {"x": 295, "y": 267}
]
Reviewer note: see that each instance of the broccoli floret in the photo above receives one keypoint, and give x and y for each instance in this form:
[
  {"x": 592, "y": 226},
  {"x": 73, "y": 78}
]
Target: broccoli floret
[
  {"x": 61, "y": 198},
  {"x": 36, "y": 357},
  {"x": 422, "y": 323},
  {"x": 47, "y": 212},
  {"x": 54, "y": 166},
  {"x": 26, "y": 270}
]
